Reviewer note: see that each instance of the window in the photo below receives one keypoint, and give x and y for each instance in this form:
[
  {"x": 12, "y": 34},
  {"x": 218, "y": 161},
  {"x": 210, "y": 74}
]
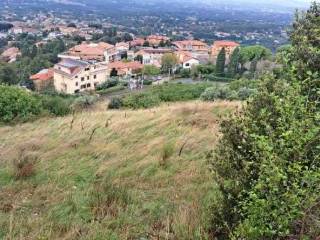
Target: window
[
  {"x": 83, "y": 86},
  {"x": 88, "y": 85},
  {"x": 88, "y": 78},
  {"x": 82, "y": 79},
  {"x": 76, "y": 76},
  {"x": 87, "y": 69},
  {"x": 95, "y": 84},
  {"x": 187, "y": 64},
  {"x": 76, "y": 91},
  {"x": 77, "y": 83},
  {"x": 95, "y": 77}
]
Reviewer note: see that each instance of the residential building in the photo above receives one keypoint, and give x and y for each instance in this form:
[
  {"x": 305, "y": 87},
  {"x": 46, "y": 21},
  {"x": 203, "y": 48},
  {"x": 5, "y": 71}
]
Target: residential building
[
  {"x": 122, "y": 47},
  {"x": 136, "y": 42},
  {"x": 154, "y": 40},
  {"x": 192, "y": 46},
  {"x": 43, "y": 79},
  {"x": 186, "y": 59},
  {"x": 152, "y": 56},
  {"x": 73, "y": 76},
  {"x": 125, "y": 69},
  {"x": 93, "y": 51},
  {"x": 229, "y": 47}
]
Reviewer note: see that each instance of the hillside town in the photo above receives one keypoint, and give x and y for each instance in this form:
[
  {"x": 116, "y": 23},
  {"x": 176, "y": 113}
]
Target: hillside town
[{"x": 89, "y": 63}]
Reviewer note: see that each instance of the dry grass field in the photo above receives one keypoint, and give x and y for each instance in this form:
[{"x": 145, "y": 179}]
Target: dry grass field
[{"x": 110, "y": 174}]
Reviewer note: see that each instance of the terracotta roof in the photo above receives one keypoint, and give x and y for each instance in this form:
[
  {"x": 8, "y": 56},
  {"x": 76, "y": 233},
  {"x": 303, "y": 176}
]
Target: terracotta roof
[
  {"x": 125, "y": 65},
  {"x": 137, "y": 42},
  {"x": 181, "y": 44},
  {"x": 43, "y": 75},
  {"x": 184, "y": 56},
  {"x": 91, "y": 49},
  {"x": 226, "y": 44}
]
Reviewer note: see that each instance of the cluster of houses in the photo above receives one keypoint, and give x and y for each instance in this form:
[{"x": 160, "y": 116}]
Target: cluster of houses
[{"x": 87, "y": 65}]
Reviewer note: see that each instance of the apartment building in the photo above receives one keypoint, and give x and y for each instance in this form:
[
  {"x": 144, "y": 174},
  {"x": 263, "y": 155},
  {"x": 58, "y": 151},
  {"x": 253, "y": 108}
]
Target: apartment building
[
  {"x": 102, "y": 52},
  {"x": 74, "y": 76},
  {"x": 152, "y": 56}
]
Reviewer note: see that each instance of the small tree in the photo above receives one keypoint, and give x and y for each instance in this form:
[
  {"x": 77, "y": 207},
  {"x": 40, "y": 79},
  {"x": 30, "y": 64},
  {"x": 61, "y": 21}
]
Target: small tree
[
  {"x": 169, "y": 61},
  {"x": 113, "y": 72},
  {"x": 146, "y": 44},
  {"x": 150, "y": 70},
  {"x": 221, "y": 62},
  {"x": 139, "y": 58}
]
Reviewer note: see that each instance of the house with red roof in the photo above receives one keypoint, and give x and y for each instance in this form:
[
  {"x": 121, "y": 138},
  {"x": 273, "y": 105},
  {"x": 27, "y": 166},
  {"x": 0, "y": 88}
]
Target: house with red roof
[
  {"x": 186, "y": 59},
  {"x": 43, "y": 79}
]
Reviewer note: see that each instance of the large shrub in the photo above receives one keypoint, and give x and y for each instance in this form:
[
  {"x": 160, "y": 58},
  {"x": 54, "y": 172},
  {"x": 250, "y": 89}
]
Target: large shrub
[
  {"x": 267, "y": 168},
  {"x": 18, "y": 104},
  {"x": 267, "y": 164},
  {"x": 84, "y": 102},
  {"x": 115, "y": 103},
  {"x": 218, "y": 92}
]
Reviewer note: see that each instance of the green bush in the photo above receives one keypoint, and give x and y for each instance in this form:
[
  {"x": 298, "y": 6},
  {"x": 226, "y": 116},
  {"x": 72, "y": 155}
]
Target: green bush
[
  {"x": 218, "y": 92},
  {"x": 141, "y": 100},
  {"x": 107, "y": 84},
  {"x": 267, "y": 168},
  {"x": 244, "y": 93},
  {"x": 83, "y": 102},
  {"x": 147, "y": 82},
  {"x": 115, "y": 103},
  {"x": 56, "y": 105},
  {"x": 185, "y": 73},
  {"x": 18, "y": 104}
]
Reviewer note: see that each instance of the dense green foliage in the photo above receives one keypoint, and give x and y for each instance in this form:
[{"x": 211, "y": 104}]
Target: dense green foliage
[
  {"x": 162, "y": 93},
  {"x": 267, "y": 164},
  {"x": 150, "y": 70},
  {"x": 227, "y": 92},
  {"x": 17, "y": 104}
]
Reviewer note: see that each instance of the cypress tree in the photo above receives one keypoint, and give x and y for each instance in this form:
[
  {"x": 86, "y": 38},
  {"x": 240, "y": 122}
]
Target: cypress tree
[
  {"x": 221, "y": 62},
  {"x": 233, "y": 67}
]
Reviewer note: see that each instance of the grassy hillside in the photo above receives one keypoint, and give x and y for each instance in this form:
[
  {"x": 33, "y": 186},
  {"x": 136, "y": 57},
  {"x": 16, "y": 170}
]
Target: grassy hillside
[{"x": 110, "y": 174}]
